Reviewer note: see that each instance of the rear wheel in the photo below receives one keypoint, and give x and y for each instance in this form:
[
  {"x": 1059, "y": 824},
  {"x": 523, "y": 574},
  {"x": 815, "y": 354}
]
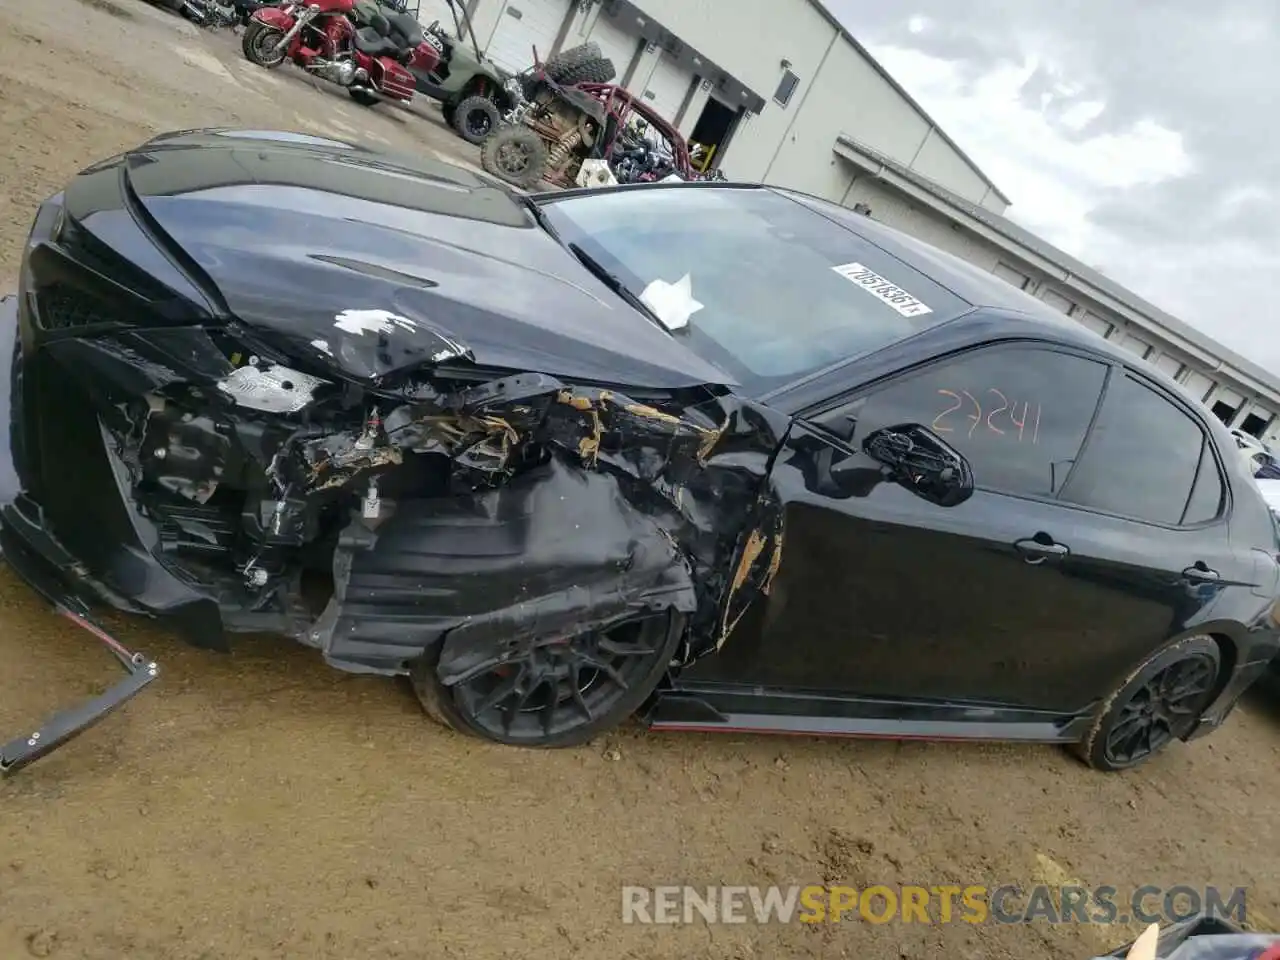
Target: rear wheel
[
  {"x": 1158, "y": 703},
  {"x": 516, "y": 155},
  {"x": 475, "y": 118},
  {"x": 259, "y": 43},
  {"x": 559, "y": 692}
]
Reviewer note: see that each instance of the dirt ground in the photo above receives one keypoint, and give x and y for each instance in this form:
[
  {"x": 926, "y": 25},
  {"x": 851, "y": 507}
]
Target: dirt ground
[{"x": 262, "y": 805}]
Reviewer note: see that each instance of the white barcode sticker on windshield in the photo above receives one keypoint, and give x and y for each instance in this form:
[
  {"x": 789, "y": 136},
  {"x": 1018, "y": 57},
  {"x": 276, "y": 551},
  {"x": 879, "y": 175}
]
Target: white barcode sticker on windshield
[{"x": 878, "y": 286}]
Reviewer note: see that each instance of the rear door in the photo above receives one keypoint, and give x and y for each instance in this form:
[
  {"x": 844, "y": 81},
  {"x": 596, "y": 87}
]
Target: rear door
[{"x": 1153, "y": 500}]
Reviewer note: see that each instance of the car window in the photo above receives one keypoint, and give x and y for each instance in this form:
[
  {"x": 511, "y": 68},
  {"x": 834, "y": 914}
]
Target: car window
[
  {"x": 1143, "y": 459},
  {"x": 1208, "y": 493},
  {"x": 762, "y": 286},
  {"x": 1019, "y": 415}
]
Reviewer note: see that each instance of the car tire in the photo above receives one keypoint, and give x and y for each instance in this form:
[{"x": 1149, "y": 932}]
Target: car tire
[
  {"x": 515, "y": 154},
  {"x": 475, "y": 118},
  {"x": 1159, "y": 702},
  {"x": 479, "y": 707}
]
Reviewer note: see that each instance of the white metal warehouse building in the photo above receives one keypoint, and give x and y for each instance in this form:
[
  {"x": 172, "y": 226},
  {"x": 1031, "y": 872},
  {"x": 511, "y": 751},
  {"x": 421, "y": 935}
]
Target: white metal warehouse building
[{"x": 787, "y": 96}]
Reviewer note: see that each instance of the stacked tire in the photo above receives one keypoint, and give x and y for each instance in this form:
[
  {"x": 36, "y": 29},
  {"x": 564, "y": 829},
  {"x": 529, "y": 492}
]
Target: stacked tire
[{"x": 585, "y": 63}]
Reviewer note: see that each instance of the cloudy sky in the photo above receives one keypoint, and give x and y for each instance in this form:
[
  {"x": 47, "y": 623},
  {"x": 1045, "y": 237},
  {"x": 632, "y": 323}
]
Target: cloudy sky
[{"x": 1135, "y": 134}]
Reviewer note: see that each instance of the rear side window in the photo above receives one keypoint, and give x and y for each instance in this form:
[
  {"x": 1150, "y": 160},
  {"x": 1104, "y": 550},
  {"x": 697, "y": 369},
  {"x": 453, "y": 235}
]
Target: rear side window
[
  {"x": 1147, "y": 459},
  {"x": 1208, "y": 495},
  {"x": 1018, "y": 415}
]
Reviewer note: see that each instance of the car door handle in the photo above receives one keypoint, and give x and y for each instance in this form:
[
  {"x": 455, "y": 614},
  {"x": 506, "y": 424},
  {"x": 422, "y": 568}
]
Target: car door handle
[
  {"x": 1199, "y": 573},
  {"x": 1038, "y": 551}
]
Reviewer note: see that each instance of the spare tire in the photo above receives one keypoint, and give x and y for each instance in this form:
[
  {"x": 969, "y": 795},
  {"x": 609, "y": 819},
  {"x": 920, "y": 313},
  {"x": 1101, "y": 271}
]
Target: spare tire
[
  {"x": 583, "y": 63},
  {"x": 592, "y": 71},
  {"x": 572, "y": 57}
]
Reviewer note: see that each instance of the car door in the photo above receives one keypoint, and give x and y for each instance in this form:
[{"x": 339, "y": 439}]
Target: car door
[
  {"x": 1154, "y": 501},
  {"x": 884, "y": 594}
]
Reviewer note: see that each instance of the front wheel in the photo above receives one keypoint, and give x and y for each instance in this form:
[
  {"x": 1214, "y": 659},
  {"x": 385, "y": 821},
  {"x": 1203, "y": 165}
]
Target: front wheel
[
  {"x": 557, "y": 692},
  {"x": 475, "y": 118},
  {"x": 516, "y": 154},
  {"x": 1160, "y": 702},
  {"x": 259, "y": 44},
  {"x": 363, "y": 97}
]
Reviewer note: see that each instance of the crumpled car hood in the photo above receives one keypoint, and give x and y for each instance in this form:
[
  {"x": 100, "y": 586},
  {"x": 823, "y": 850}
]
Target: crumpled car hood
[{"x": 378, "y": 265}]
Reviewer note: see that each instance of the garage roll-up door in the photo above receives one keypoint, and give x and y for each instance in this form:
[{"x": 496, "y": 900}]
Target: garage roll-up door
[
  {"x": 1169, "y": 364},
  {"x": 666, "y": 87},
  {"x": 1197, "y": 384},
  {"x": 1056, "y": 300},
  {"x": 617, "y": 44},
  {"x": 523, "y": 25},
  {"x": 1135, "y": 345},
  {"x": 430, "y": 10},
  {"x": 1095, "y": 323},
  {"x": 1010, "y": 275}
]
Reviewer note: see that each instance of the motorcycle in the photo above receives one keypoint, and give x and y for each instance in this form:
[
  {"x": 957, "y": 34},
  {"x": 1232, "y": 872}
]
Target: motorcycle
[
  {"x": 222, "y": 13},
  {"x": 640, "y": 163},
  {"x": 321, "y": 37}
]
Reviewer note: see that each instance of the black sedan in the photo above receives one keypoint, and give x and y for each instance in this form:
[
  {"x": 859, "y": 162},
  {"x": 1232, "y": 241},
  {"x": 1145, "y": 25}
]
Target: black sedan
[{"x": 727, "y": 456}]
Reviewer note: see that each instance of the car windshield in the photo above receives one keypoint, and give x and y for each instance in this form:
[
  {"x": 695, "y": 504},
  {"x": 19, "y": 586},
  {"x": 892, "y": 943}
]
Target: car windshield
[{"x": 765, "y": 287}]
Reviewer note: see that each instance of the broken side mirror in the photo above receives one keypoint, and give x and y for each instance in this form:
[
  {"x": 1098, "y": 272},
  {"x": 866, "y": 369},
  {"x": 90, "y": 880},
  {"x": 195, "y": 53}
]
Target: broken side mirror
[{"x": 919, "y": 460}]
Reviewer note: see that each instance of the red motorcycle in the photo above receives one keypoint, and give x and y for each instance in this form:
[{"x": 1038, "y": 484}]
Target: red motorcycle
[{"x": 320, "y": 37}]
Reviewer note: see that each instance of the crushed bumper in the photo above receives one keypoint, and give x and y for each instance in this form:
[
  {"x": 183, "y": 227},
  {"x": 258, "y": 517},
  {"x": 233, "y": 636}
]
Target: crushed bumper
[
  {"x": 38, "y": 559},
  {"x": 66, "y": 724}
]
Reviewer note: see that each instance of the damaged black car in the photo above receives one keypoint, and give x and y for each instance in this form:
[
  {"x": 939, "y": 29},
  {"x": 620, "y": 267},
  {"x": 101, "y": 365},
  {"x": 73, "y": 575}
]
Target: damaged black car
[{"x": 728, "y": 457}]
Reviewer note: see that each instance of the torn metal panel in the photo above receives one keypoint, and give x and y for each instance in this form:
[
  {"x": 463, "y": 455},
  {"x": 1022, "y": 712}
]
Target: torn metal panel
[{"x": 558, "y": 550}]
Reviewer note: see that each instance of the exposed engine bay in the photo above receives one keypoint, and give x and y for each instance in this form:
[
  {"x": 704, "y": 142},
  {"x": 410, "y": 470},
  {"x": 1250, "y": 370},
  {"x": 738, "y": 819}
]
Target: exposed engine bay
[{"x": 263, "y": 511}]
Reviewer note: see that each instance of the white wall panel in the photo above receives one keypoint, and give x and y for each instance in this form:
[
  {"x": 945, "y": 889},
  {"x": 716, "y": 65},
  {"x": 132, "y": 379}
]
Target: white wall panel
[{"x": 522, "y": 26}]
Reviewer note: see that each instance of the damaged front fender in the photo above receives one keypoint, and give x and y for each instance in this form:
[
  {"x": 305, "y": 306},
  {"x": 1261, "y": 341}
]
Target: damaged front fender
[{"x": 557, "y": 552}]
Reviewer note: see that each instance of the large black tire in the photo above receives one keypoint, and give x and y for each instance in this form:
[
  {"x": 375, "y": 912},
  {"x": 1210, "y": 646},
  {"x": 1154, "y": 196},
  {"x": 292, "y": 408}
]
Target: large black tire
[
  {"x": 584, "y": 63},
  {"x": 257, "y": 40},
  {"x": 563, "y": 694},
  {"x": 363, "y": 97},
  {"x": 572, "y": 57},
  {"x": 475, "y": 118},
  {"x": 1159, "y": 702},
  {"x": 593, "y": 71},
  {"x": 515, "y": 154}
]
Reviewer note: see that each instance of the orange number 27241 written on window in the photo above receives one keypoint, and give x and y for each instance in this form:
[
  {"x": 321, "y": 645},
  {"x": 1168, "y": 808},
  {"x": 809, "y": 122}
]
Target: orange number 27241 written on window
[{"x": 1003, "y": 416}]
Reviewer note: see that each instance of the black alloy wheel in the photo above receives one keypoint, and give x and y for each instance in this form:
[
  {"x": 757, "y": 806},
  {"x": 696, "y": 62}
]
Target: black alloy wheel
[
  {"x": 1159, "y": 703},
  {"x": 556, "y": 692}
]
